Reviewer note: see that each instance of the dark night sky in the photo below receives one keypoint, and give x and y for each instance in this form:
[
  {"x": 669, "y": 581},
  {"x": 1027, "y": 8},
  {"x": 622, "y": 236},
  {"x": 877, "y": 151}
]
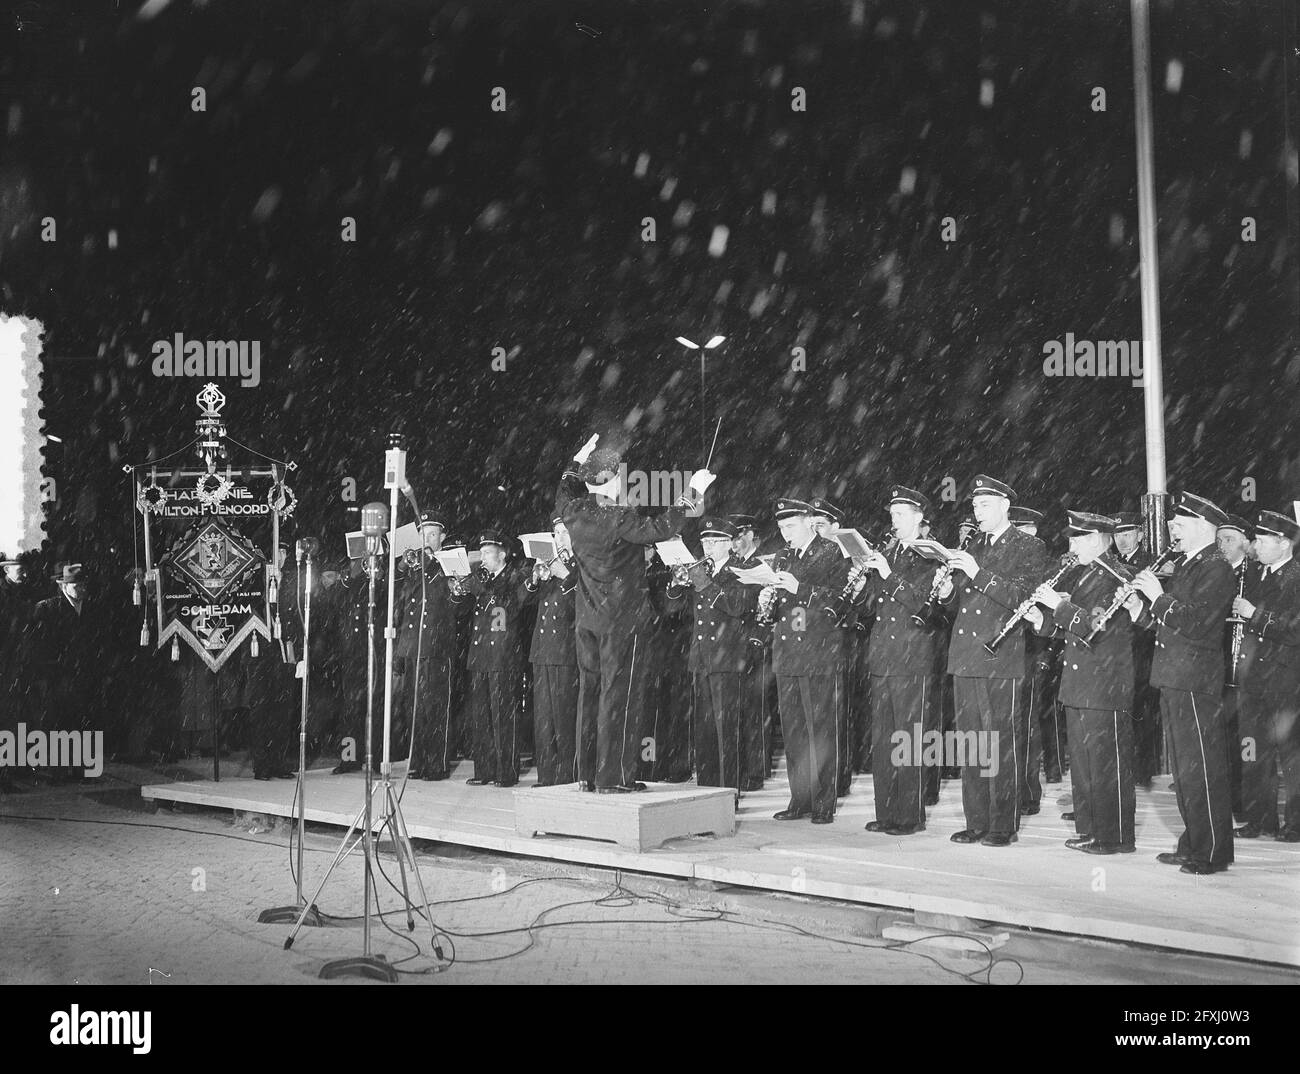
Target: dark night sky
[{"x": 522, "y": 230}]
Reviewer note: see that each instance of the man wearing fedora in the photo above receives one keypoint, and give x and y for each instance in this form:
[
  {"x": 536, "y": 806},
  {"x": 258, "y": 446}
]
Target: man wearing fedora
[
  {"x": 1188, "y": 618},
  {"x": 16, "y": 610},
  {"x": 613, "y": 616},
  {"x": 67, "y": 657}
]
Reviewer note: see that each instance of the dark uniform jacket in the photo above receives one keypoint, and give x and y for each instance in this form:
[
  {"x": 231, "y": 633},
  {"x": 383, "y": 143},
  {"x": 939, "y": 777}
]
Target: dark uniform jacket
[
  {"x": 1188, "y": 617},
  {"x": 494, "y": 632},
  {"x": 1010, "y": 570},
  {"x": 806, "y": 640},
  {"x": 609, "y": 543},
  {"x": 16, "y": 613},
  {"x": 1270, "y": 644},
  {"x": 65, "y": 648},
  {"x": 899, "y": 646},
  {"x": 723, "y": 611},
  {"x": 1100, "y": 677},
  {"x": 553, "y": 641},
  {"x": 440, "y": 608}
]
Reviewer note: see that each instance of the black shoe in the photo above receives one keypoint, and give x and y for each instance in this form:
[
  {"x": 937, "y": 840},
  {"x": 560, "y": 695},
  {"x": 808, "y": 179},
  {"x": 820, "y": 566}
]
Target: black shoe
[
  {"x": 502, "y": 783},
  {"x": 1173, "y": 858},
  {"x": 967, "y": 835},
  {"x": 1247, "y": 831},
  {"x": 262, "y": 776},
  {"x": 876, "y": 826},
  {"x": 1101, "y": 848},
  {"x": 1079, "y": 842},
  {"x": 790, "y": 814},
  {"x": 999, "y": 839},
  {"x": 286, "y": 774},
  {"x": 905, "y": 829},
  {"x": 475, "y": 782},
  {"x": 1203, "y": 868},
  {"x": 1288, "y": 835},
  {"x": 677, "y": 778},
  {"x": 589, "y": 787},
  {"x": 1030, "y": 810},
  {"x": 1068, "y": 816},
  {"x": 615, "y": 790},
  {"x": 753, "y": 784},
  {"x": 344, "y": 767},
  {"x": 414, "y": 773},
  {"x": 433, "y": 777},
  {"x": 823, "y": 818}
]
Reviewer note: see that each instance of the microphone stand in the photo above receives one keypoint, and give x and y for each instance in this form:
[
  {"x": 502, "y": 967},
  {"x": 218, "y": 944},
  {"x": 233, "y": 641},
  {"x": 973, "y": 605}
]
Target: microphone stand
[{"x": 284, "y": 914}]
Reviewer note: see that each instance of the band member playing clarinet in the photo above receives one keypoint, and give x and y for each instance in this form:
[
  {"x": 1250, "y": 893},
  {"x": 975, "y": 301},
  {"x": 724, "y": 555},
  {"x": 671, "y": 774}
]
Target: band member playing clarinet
[
  {"x": 1001, "y": 568},
  {"x": 826, "y": 519},
  {"x": 1096, "y": 687},
  {"x": 1234, "y": 539},
  {"x": 722, "y": 609},
  {"x": 613, "y": 615},
  {"x": 1268, "y": 669},
  {"x": 807, "y": 659},
  {"x": 1188, "y": 669},
  {"x": 900, "y": 660}
]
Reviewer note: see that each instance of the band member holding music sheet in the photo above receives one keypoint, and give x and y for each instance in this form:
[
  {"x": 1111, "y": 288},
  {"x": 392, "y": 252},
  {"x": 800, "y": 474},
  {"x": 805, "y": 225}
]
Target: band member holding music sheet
[
  {"x": 495, "y": 665},
  {"x": 424, "y": 653},
  {"x": 901, "y": 665},
  {"x": 722, "y": 610},
  {"x": 1188, "y": 619},
  {"x": 1096, "y": 686},
  {"x": 826, "y": 519},
  {"x": 553, "y": 654},
  {"x": 1268, "y": 671},
  {"x": 759, "y": 709},
  {"x": 807, "y": 657},
  {"x": 612, "y": 615},
  {"x": 998, "y": 571}
]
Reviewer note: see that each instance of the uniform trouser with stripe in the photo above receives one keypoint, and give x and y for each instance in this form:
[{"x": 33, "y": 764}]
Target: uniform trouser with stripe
[
  {"x": 718, "y": 699},
  {"x": 430, "y": 709},
  {"x": 1037, "y": 697},
  {"x": 990, "y": 795},
  {"x": 1232, "y": 735},
  {"x": 1148, "y": 733},
  {"x": 494, "y": 700},
  {"x": 755, "y": 723},
  {"x": 808, "y": 717},
  {"x": 844, "y": 724},
  {"x": 1101, "y": 770},
  {"x": 1052, "y": 726},
  {"x": 612, "y": 690},
  {"x": 863, "y": 735},
  {"x": 1079, "y": 785},
  {"x": 555, "y": 723},
  {"x": 899, "y": 703},
  {"x": 1269, "y": 746},
  {"x": 1199, "y": 759}
]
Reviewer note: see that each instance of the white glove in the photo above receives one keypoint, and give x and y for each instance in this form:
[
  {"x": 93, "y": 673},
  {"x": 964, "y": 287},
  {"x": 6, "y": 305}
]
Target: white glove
[
  {"x": 585, "y": 451},
  {"x": 701, "y": 480}
]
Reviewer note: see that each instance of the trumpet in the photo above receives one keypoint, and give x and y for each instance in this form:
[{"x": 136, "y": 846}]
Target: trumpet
[
  {"x": 840, "y": 607},
  {"x": 923, "y": 617},
  {"x": 1238, "y": 626},
  {"x": 542, "y": 570},
  {"x": 1125, "y": 590},
  {"x": 1067, "y": 561},
  {"x": 681, "y": 573}
]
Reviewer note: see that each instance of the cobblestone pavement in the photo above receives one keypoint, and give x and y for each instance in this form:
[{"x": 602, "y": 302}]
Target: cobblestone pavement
[{"x": 95, "y": 889}]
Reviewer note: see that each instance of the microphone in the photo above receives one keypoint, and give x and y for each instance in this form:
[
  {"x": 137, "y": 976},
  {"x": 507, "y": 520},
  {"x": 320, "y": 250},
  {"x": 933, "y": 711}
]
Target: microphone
[
  {"x": 307, "y": 546},
  {"x": 374, "y": 525}
]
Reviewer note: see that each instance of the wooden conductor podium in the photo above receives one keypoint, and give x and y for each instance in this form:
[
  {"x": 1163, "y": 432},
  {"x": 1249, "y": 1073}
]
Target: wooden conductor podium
[{"x": 640, "y": 821}]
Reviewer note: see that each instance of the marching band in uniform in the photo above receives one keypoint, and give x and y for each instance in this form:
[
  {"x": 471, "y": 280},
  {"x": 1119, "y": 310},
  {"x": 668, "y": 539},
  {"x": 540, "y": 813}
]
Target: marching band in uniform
[{"x": 845, "y": 652}]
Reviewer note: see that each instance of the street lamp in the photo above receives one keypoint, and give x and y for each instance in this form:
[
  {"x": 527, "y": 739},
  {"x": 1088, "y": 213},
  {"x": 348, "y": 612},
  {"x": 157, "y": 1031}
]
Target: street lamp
[{"x": 691, "y": 345}]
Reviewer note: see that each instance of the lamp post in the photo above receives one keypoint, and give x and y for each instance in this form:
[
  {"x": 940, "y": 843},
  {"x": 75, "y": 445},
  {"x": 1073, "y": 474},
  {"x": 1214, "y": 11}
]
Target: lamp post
[{"x": 691, "y": 345}]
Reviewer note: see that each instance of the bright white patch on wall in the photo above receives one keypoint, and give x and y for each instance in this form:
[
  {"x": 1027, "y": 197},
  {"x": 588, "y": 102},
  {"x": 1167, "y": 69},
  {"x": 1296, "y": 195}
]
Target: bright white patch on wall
[{"x": 22, "y": 521}]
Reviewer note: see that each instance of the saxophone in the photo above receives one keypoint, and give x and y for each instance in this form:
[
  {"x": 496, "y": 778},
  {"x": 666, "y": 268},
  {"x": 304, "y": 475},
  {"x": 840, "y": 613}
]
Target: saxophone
[{"x": 766, "y": 615}]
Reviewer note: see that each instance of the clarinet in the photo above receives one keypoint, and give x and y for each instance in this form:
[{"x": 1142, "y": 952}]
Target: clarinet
[
  {"x": 840, "y": 608},
  {"x": 1124, "y": 592},
  {"x": 931, "y": 609},
  {"x": 1067, "y": 561},
  {"x": 1238, "y": 626}
]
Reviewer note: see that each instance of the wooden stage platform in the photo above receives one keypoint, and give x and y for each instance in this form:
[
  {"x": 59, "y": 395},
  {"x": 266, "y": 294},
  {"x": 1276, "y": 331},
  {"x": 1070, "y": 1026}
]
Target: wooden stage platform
[{"x": 1252, "y": 911}]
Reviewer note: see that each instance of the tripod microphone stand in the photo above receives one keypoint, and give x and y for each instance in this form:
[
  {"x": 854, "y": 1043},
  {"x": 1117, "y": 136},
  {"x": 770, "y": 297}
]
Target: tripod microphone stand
[
  {"x": 367, "y": 964},
  {"x": 284, "y": 914}
]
